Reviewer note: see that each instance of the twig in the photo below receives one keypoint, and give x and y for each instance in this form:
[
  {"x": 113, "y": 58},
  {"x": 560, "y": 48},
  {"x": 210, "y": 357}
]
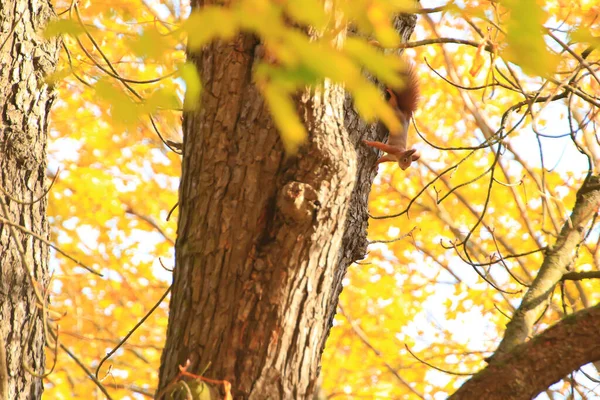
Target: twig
[
  {"x": 131, "y": 332},
  {"x": 87, "y": 371},
  {"x": 436, "y": 368},
  {"x": 58, "y": 249},
  {"x": 363, "y": 338},
  {"x": 579, "y": 276}
]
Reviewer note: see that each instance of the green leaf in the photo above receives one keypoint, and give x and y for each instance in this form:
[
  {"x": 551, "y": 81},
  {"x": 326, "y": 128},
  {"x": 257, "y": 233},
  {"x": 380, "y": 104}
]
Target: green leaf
[
  {"x": 289, "y": 79},
  {"x": 62, "y": 27},
  {"x": 526, "y": 46}
]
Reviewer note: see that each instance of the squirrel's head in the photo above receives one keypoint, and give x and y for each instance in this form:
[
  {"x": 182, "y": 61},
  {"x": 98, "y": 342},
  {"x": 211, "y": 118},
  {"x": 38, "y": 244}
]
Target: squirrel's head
[{"x": 406, "y": 158}]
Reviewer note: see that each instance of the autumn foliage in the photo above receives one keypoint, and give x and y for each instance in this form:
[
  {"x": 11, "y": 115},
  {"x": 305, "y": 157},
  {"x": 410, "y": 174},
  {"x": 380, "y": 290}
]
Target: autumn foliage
[{"x": 506, "y": 129}]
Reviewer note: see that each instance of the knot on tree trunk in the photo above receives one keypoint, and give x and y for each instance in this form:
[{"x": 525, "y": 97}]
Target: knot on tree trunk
[{"x": 298, "y": 202}]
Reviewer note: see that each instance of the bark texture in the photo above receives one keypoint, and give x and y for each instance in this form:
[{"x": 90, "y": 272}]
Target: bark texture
[
  {"x": 25, "y": 99},
  {"x": 557, "y": 261},
  {"x": 531, "y": 367},
  {"x": 263, "y": 240}
]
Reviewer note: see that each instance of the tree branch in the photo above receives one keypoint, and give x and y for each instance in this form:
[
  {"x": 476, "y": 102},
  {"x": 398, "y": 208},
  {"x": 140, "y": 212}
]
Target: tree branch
[
  {"x": 531, "y": 367},
  {"x": 579, "y": 276},
  {"x": 556, "y": 262}
]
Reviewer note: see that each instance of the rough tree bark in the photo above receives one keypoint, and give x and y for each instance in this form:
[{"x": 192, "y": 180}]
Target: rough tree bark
[
  {"x": 25, "y": 59},
  {"x": 532, "y": 367},
  {"x": 263, "y": 241}
]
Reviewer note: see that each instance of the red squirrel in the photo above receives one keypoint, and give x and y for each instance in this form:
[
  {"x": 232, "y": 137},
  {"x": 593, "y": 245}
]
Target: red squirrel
[{"x": 404, "y": 102}]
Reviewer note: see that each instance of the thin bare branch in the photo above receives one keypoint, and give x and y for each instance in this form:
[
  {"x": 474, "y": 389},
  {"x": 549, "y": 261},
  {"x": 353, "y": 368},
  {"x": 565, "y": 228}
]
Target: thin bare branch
[{"x": 556, "y": 261}]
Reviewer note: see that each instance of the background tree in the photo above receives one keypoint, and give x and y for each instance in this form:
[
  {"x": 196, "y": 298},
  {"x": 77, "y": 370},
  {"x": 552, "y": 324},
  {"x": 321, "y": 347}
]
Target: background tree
[
  {"x": 26, "y": 58},
  {"x": 476, "y": 217}
]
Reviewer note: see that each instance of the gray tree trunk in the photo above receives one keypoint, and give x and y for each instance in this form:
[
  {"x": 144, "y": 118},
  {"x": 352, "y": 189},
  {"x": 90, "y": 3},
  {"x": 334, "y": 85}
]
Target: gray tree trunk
[{"x": 25, "y": 99}]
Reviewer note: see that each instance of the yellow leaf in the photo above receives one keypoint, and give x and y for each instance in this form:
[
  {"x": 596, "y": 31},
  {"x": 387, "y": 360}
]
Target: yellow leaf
[
  {"x": 309, "y": 12},
  {"x": 379, "y": 17},
  {"x": 584, "y": 35},
  {"x": 478, "y": 60},
  {"x": 385, "y": 67},
  {"x": 193, "y": 85},
  {"x": 122, "y": 108},
  {"x": 293, "y": 133},
  {"x": 150, "y": 44},
  {"x": 210, "y": 23},
  {"x": 370, "y": 104},
  {"x": 161, "y": 99}
]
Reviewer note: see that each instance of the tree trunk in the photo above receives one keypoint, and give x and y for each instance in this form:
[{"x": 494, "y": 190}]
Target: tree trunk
[
  {"x": 25, "y": 59},
  {"x": 263, "y": 240}
]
